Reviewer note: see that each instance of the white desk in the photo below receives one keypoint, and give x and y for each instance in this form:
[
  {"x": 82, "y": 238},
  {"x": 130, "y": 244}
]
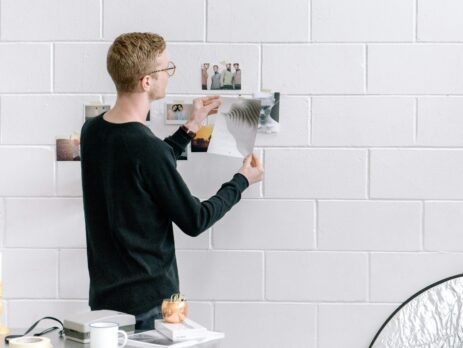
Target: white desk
[{"x": 58, "y": 342}]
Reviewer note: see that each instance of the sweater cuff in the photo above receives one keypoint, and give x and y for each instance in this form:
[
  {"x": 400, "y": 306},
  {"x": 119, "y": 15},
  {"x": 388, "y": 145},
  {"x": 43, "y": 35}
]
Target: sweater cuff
[
  {"x": 241, "y": 180},
  {"x": 181, "y": 137}
]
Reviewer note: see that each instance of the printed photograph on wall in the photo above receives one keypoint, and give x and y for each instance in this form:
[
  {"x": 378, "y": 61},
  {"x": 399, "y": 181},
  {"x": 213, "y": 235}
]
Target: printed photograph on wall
[
  {"x": 235, "y": 127},
  {"x": 200, "y": 142},
  {"x": 177, "y": 112},
  {"x": 269, "y": 118},
  {"x": 93, "y": 110},
  {"x": 225, "y": 75},
  {"x": 68, "y": 148}
]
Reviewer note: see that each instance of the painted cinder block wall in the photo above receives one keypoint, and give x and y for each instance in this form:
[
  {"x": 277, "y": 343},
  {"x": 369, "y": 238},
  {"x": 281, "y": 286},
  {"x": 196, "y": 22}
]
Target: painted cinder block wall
[{"x": 361, "y": 205}]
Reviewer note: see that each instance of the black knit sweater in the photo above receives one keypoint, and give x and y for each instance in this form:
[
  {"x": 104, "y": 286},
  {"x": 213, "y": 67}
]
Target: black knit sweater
[{"x": 132, "y": 193}]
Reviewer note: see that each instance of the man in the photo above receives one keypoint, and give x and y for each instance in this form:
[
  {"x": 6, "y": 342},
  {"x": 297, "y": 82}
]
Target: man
[
  {"x": 132, "y": 190},
  {"x": 204, "y": 75},
  {"x": 237, "y": 76},
  {"x": 226, "y": 77},
  {"x": 215, "y": 79}
]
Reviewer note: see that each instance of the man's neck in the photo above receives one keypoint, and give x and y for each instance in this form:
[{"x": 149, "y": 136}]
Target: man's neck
[{"x": 131, "y": 107}]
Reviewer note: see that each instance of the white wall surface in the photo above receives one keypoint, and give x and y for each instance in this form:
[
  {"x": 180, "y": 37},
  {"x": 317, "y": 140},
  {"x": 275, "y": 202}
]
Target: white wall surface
[{"x": 362, "y": 201}]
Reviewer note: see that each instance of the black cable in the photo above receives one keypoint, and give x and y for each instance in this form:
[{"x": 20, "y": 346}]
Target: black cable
[{"x": 50, "y": 329}]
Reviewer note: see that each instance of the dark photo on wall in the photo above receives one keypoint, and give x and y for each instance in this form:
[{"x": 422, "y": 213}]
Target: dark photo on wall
[{"x": 225, "y": 75}]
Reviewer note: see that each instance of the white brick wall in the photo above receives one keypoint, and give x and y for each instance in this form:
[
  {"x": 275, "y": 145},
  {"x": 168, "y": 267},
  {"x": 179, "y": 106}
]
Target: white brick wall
[{"x": 362, "y": 200}]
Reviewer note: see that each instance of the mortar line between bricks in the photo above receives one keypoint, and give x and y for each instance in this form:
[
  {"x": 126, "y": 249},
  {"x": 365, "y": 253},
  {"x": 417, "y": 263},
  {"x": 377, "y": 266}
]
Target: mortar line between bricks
[
  {"x": 368, "y": 174},
  {"x": 57, "y": 272},
  {"x": 289, "y": 147},
  {"x": 423, "y": 226},
  {"x": 316, "y": 223},
  {"x": 310, "y": 19},
  {"x": 209, "y": 238},
  {"x": 206, "y": 16},
  {"x": 220, "y": 301},
  {"x": 366, "y": 68},
  {"x": 385, "y": 95},
  {"x": 415, "y": 3},
  {"x": 261, "y": 68},
  {"x": 264, "y": 269},
  {"x": 249, "y": 43},
  {"x": 415, "y": 122},
  {"x": 262, "y": 186},
  {"x": 101, "y": 19},
  {"x": 279, "y": 147},
  {"x": 368, "y": 292},
  {"x": 288, "y": 199},
  {"x": 298, "y": 251},
  {"x": 1, "y": 126},
  {"x": 317, "y": 324},
  {"x": 52, "y": 67},
  {"x": 214, "y": 317},
  {"x": 6, "y": 314},
  {"x": 4, "y": 225},
  {"x": 55, "y": 177},
  {"x": 310, "y": 121}
]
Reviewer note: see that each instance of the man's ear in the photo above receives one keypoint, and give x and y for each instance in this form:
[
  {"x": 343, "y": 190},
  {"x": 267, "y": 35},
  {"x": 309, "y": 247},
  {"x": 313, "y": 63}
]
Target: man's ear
[{"x": 146, "y": 83}]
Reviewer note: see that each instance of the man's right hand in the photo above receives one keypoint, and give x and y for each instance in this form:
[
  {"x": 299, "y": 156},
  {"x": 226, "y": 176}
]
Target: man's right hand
[{"x": 252, "y": 169}]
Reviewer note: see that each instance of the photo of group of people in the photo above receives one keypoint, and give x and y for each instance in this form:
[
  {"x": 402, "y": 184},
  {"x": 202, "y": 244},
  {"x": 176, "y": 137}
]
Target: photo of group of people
[{"x": 225, "y": 76}]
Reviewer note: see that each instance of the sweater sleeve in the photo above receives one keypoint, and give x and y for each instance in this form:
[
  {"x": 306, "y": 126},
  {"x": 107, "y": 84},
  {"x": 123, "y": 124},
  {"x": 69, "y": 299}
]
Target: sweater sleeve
[
  {"x": 173, "y": 196},
  {"x": 178, "y": 141}
]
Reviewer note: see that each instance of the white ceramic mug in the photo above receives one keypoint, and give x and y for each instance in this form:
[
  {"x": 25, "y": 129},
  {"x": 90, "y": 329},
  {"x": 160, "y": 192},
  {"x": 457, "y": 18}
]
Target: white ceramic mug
[{"x": 106, "y": 335}]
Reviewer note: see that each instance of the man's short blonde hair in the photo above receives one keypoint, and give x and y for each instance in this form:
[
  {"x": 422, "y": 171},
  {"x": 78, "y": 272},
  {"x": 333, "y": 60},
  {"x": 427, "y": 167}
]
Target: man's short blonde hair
[{"x": 131, "y": 56}]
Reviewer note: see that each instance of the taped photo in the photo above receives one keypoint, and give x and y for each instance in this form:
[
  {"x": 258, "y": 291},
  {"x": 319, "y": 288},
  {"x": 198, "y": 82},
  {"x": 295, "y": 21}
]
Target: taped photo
[
  {"x": 68, "y": 148},
  {"x": 93, "y": 110},
  {"x": 269, "y": 118},
  {"x": 235, "y": 129},
  {"x": 224, "y": 75},
  {"x": 177, "y": 112}
]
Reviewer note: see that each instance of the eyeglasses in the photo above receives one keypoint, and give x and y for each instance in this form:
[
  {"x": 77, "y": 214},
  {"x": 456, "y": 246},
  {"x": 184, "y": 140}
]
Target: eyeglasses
[{"x": 170, "y": 69}]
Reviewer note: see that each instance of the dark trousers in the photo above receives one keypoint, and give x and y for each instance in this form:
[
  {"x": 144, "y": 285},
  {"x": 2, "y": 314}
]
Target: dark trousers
[{"x": 145, "y": 321}]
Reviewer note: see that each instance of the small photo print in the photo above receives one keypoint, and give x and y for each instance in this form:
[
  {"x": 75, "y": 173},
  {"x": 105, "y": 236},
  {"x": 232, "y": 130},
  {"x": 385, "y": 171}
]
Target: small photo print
[
  {"x": 94, "y": 110},
  {"x": 225, "y": 75},
  {"x": 235, "y": 128},
  {"x": 269, "y": 118},
  {"x": 68, "y": 149},
  {"x": 200, "y": 142},
  {"x": 178, "y": 112}
]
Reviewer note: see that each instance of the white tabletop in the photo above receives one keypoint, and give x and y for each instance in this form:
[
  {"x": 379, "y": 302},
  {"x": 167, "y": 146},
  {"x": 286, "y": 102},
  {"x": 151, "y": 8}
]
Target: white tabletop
[{"x": 62, "y": 342}]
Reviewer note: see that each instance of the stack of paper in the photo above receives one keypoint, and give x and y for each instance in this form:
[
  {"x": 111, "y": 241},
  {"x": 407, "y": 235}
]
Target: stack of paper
[
  {"x": 186, "y": 334},
  {"x": 186, "y": 330}
]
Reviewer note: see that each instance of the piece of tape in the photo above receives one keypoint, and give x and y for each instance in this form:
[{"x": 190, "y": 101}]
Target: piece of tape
[{"x": 30, "y": 342}]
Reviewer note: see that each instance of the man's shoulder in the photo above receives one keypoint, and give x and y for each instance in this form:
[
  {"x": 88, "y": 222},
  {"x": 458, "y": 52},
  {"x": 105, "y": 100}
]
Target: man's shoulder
[{"x": 88, "y": 125}]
